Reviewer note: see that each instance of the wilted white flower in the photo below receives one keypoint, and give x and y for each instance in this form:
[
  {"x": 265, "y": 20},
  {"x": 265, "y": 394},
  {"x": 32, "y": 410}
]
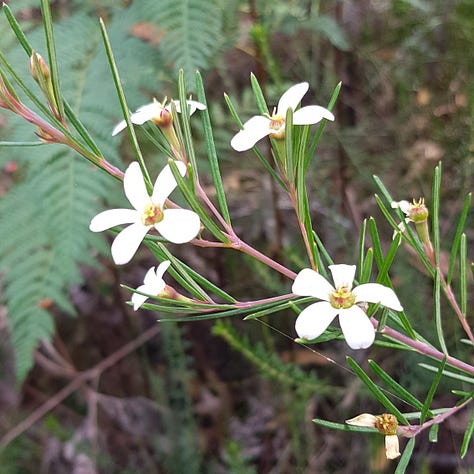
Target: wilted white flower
[
  {"x": 386, "y": 424},
  {"x": 176, "y": 225},
  {"x": 341, "y": 300},
  {"x": 153, "y": 284},
  {"x": 260, "y": 126},
  {"x": 158, "y": 112}
]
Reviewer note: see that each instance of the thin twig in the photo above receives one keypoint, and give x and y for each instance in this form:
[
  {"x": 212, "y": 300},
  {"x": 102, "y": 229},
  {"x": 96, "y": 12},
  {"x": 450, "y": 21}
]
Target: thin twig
[{"x": 76, "y": 383}]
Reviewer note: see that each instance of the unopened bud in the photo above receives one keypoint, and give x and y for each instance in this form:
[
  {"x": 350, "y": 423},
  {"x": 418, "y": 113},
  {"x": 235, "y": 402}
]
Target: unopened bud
[{"x": 39, "y": 69}]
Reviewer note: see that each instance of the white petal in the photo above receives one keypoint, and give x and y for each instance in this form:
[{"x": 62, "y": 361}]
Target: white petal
[
  {"x": 392, "y": 450},
  {"x": 150, "y": 278},
  {"x": 405, "y": 206},
  {"x": 356, "y": 327},
  {"x": 146, "y": 112},
  {"x": 127, "y": 242},
  {"x": 179, "y": 225},
  {"x": 311, "y": 283},
  {"x": 254, "y": 130},
  {"x": 112, "y": 217},
  {"x": 119, "y": 127},
  {"x": 365, "y": 419},
  {"x": 314, "y": 320},
  {"x": 134, "y": 187},
  {"x": 376, "y": 293},
  {"x": 291, "y": 98},
  {"x": 343, "y": 275},
  {"x": 311, "y": 114},
  {"x": 137, "y": 299},
  {"x": 193, "y": 105},
  {"x": 162, "y": 267},
  {"x": 165, "y": 183}
]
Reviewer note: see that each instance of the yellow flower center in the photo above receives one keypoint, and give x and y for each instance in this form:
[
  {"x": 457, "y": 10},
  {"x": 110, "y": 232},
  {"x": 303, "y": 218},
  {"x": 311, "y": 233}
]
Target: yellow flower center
[
  {"x": 386, "y": 424},
  {"x": 342, "y": 298},
  {"x": 152, "y": 214}
]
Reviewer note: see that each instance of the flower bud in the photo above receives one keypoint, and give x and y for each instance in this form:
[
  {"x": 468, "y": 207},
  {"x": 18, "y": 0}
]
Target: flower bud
[{"x": 39, "y": 69}]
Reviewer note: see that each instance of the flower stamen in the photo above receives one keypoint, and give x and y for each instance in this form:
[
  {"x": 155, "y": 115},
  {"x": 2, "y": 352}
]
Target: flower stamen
[
  {"x": 152, "y": 214},
  {"x": 342, "y": 298}
]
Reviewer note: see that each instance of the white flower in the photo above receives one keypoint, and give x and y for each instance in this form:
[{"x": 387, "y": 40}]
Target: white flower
[
  {"x": 176, "y": 225},
  {"x": 341, "y": 300},
  {"x": 153, "y": 284},
  {"x": 386, "y": 424},
  {"x": 154, "y": 110},
  {"x": 260, "y": 126}
]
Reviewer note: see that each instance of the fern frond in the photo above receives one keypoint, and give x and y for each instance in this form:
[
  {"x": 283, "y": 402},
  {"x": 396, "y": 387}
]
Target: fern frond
[{"x": 44, "y": 218}]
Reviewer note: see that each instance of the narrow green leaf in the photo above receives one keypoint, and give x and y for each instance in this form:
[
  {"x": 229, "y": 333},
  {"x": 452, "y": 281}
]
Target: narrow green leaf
[
  {"x": 280, "y": 307},
  {"x": 448, "y": 373},
  {"x": 289, "y": 158},
  {"x": 457, "y": 237},
  {"x": 377, "y": 392},
  {"x": 383, "y": 190},
  {"x": 186, "y": 122},
  {"x": 324, "y": 252},
  {"x": 24, "y": 144},
  {"x": 463, "y": 275},
  {"x": 366, "y": 270},
  {"x": 436, "y": 193},
  {"x": 361, "y": 248},
  {"x": 383, "y": 276},
  {"x": 437, "y": 311},
  {"x": 405, "y": 457},
  {"x": 53, "y": 63},
  {"x": 211, "y": 151},
  {"x": 467, "y": 436},
  {"x": 320, "y": 129},
  {"x": 400, "y": 391},
  {"x": 374, "y": 235},
  {"x": 125, "y": 109},
  {"x": 341, "y": 427},
  {"x": 15, "y": 26},
  {"x": 261, "y": 103},
  {"x": 432, "y": 391},
  {"x": 433, "y": 433},
  {"x": 191, "y": 199}
]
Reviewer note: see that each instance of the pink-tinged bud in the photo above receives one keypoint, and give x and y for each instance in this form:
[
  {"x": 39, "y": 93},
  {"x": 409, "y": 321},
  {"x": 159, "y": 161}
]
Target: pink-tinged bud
[
  {"x": 39, "y": 69},
  {"x": 163, "y": 119}
]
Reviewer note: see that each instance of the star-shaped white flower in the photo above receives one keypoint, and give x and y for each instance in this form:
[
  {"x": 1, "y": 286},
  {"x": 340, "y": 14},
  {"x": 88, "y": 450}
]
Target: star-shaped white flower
[
  {"x": 154, "y": 111},
  {"x": 341, "y": 300},
  {"x": 176, "y": 225},
  {"x": 260, "y": 126},
  {"x": 153, "y": 284}
]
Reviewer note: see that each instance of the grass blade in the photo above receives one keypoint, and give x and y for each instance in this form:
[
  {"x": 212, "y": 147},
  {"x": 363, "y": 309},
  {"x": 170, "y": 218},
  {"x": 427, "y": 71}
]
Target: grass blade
[
  {"x": 437, "y": 311},
  {"x": 405, "y": 458}
]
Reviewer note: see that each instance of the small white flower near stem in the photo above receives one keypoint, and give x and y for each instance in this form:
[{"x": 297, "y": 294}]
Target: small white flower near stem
[
  {"x": 176, "y": 225},
  {"x": 340, "y": 300},
  {"x": 260, "y": 126},
  {"x": 153, "y": 284},
  {"x": 159, "y": 113},
  {"x": 386, "y": 424}
]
